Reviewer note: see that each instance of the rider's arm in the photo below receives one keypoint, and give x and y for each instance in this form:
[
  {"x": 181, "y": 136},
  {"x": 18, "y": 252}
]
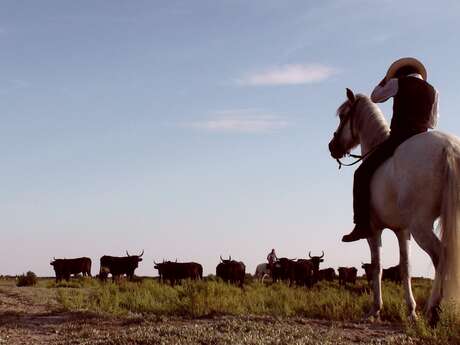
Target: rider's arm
[{"x": 385, "y": 90}]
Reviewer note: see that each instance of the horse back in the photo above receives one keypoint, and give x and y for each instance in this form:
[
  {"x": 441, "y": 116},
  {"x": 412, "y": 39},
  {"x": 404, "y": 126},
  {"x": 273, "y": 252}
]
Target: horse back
[{"x": 410, "y": 182}]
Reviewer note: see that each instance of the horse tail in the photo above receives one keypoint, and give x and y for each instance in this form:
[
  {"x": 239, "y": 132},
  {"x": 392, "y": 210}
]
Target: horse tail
[{"x": 447, "y": 279}]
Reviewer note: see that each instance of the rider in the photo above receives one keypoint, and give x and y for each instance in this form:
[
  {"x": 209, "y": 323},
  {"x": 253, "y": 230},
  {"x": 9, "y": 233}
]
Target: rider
[
  {"x": 415, "y": 110},
  {"x": 271, "y": 258}
]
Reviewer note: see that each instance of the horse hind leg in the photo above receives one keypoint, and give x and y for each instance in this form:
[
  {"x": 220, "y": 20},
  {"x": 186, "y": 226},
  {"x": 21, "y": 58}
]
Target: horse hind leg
[{"x": 430, "y": 243}]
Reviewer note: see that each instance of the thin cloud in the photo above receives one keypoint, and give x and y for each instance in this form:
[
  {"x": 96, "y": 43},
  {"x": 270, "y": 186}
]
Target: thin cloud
[
  {"x": 240, "y": 121},
  {"x": 289, "y": 75},
  {"x": 13, "y": 85}
]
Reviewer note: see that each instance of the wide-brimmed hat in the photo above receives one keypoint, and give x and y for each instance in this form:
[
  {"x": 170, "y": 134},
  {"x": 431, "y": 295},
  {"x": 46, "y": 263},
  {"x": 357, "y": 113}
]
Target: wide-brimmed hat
[{"x": 407, "y": 61}]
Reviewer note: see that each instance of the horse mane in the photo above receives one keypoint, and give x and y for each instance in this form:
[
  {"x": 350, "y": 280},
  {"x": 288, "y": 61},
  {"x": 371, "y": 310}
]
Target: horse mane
[
  {"x": 369, "y": 119},
  {"x": 344, "y": 108}
]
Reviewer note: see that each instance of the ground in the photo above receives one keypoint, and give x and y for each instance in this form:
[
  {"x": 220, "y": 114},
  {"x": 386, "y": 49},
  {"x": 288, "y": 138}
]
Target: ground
[{"x": 32, "y": 315}]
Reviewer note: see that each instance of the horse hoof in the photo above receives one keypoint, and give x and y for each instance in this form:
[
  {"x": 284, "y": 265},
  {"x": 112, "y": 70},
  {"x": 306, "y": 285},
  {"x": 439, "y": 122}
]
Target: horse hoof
[
  {"x": 373, "y": 317},
  {"x": 412, "y": 317}
]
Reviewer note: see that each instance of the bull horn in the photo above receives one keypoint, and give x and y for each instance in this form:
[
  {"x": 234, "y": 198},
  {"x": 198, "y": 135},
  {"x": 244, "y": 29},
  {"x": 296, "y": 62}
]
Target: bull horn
[
  {"x": 127, "y": 253},
  {"x": 322, "y": 255},
  {"x": 155, "y": 262},
  {"x": 141, "y": 253},
  {"x": 229, "y": 258},
  {"x": 309, "y": 254},
  {"x": 221, "y": 259}
]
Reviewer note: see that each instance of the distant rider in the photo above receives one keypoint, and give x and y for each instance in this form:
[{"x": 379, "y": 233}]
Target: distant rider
[{"x": 271, "y": 258}]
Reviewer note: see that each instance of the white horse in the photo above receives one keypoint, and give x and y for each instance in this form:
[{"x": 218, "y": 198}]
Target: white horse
[
  {"x": 262, "y": 271},
  {"x": 413, "y": 188}
]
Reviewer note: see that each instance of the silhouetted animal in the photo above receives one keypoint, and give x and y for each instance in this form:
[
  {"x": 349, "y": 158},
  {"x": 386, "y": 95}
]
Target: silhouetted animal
[
  {"x": 231, "y": 271},
  {"x": 327, "y": 274},
  {"x": 368, "y": 271},
  {"x": 65, "y": 267},
  {"x": 284, "y": 270},
  {"x": 304, "y": 272},
  {"x": 118, "y": 266},
  {"x": 316, "y": 260},
  {"x": 176, "y": 271},
  {"x": 392, "y": 274},
  {"x": 347, "y": 275}
]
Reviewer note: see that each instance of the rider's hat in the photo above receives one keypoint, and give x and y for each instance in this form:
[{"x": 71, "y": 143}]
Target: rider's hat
[{"x": 403, "y": 62}]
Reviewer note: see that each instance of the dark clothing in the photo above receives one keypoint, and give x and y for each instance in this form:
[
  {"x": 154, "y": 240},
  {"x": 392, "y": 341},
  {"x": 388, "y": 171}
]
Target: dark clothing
[
  {"x": 363, "y": 176},
  {"x": 412, "y": 109},
  {"x": 271, "y": 258},
  {"x": 412, "y": 106}
]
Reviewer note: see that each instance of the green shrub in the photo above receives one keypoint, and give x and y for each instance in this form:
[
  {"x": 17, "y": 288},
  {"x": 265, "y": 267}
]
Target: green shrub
[{"x": 28, "y": 279}]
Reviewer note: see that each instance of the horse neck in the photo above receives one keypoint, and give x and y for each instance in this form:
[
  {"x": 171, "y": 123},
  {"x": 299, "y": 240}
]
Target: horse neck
[{"x": 373, "y": 129}]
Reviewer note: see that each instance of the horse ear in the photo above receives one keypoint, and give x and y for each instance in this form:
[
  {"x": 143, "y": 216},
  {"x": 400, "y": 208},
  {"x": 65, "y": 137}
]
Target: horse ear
[{"x": 350, "y": 95}]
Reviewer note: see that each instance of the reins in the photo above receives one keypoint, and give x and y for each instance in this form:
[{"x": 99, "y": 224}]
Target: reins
[{"x": 359, "y": 158}]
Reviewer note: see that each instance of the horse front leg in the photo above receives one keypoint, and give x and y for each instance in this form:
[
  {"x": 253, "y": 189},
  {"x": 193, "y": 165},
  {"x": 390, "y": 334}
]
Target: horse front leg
[
  {"x": 375, "y": 245},
  {"x": 404, "y": 266}
]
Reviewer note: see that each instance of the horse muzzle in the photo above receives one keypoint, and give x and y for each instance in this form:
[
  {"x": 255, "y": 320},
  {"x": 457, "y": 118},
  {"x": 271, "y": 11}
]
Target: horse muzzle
[{"x": 336, "y": 150}]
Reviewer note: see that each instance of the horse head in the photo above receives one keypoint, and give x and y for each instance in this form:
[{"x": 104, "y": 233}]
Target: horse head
[{"x": 345, "y": 136}]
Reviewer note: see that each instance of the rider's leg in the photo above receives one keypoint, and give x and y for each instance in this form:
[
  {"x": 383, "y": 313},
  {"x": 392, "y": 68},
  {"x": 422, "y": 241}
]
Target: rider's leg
[{"x": 361, "y": 188}]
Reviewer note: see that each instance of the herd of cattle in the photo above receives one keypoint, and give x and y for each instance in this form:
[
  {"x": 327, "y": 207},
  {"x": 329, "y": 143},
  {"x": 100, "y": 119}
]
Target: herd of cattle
[{"x": 302, "y": 272}]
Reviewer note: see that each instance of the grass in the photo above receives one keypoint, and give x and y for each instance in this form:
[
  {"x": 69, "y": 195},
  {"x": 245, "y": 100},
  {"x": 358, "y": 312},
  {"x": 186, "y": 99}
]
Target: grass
[
  {"x": 326, "y": 300},
  {"x": 206, "y": 298}
]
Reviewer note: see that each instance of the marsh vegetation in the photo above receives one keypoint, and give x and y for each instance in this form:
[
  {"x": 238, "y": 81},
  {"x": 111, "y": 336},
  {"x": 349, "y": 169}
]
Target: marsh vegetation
[{"x": 146, "y": 311}]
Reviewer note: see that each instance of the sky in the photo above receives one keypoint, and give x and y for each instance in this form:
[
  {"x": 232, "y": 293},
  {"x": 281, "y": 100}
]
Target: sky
[{"x": 196, "y": 129}]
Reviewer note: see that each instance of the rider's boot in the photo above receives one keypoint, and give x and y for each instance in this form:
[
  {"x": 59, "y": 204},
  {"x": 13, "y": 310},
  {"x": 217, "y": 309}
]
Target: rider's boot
[{"x": 359, "y": 233}]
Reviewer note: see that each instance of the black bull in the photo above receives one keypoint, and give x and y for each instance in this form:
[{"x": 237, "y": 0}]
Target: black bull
[
  {"x": 176, "y": 271},
  {"x": 231, "y": 271},
  {"x": 316, "y": 260},
  {"x": 327, "y": 274},
  {"x": 347, "y": 275},
  {"x": 118, "y": 266},
  {"x": 65, "y": 267},
  {"x": 300, "y": 272},
  {"x": 391, "y": 273}
]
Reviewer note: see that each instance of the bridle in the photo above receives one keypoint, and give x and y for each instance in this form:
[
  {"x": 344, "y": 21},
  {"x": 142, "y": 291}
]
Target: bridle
[{"x": 350, "y": 117}]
